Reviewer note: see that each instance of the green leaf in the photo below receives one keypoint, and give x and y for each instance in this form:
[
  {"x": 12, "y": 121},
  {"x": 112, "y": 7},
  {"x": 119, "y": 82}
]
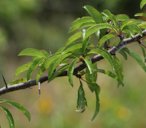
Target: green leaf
[
  {"x": 32, "y": 52},
  {"x": 9, "y": 117},
  {"x": 104, "y": 39},
  {"x": 85, "y": 41},
  {"x": 72, "y": 48},
  {"x": 23, "y": 68},
  {"x": 109, "y": 73},
  {"x": 94, "y": 13},
  {"x": 88, "y": 64},
  {"x": 91, "y": 81},
  {"x": 41, "y": 70},
  {"x": 74, "y": 38},
  {"x": 91, "y": 78},
  {"x": 81, "y": 101},
  {"x": 142, "y": 3},
  {"x": 81, "y": 22},
  {"x": 93, "y": 86},
  {"x": 134, "y": 29},
  {"x": 117, "y": 68},
  {"x": 131, "y": 27},
  {"x": 19, "y": 80},
  {"x": 109, "y": 16},
  {"x": 54, "y": 64},
  {"x": 123, "y": 53},
  {"x": 94, "y": 29},
  {"x": 19, "y": 107},
  {"x": 32, "y": 67},
  {"x": 137, "y": 57},
  {"x": 142, "y": 25},
  {"x": 140, "y": 14},
  {"x": 50, "y": 60},
  {"x": 112, "y": 75},
  {"x": 70, "y": 71},
  {"x": 85, "y": 45},
  {"x": 103, "y": 53},
  {"x": 97, "y": 91},
  {"x": 62, "y": 67},
  {"x": 122, "y": 17},
  {"x": 143, "y": 52},
  {"x": 128, "y": 23},
  {"x": 52, "y": 68}
]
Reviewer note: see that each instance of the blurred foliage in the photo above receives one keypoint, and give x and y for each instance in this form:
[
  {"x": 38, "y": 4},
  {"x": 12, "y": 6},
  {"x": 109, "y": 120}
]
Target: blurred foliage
[{"x": 44, "y": 24}]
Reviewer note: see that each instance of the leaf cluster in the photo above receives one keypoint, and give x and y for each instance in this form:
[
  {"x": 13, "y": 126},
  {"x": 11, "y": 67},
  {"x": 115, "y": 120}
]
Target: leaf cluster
[
  {"x": 8, "y": 114},
  {"x": 90, "y": 36}
]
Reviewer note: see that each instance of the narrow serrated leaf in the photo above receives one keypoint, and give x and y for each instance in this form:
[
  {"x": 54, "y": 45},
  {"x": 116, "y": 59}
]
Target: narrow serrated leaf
[
  {"x": 122, "y": 17},
  {"x": 70, "y": 71},
  {"x": 74, "y": 37},
  {"x": 85, "y": 45},
  {"x": 130, "y": 22},
  {"x": 54, "y": 64},
  {"x": 142, "y": 25},
  {"x": 140, "y": 14},
  {"x": 80, "y": 22},
  {"x": 103, "y": 53},
  {"x": 50, "y": 60},
  {"x": 88, "y": 64},
  {"x": 123, "y": 53},
  {"x": 106, "y": 72},
  {"x": 72, "y": 48},
  {"x": 135, "y": 29},
  {"x": 104, "y": 39},
  {"x": 115, "y": 64},
  {"x": 118, "y": 70},
  {"x": 142, "y": 3},
  {"x": 96, "y": 28},
  {"x": 19, "y": 80},
  {"x": 81, "y": 101},
  {"x": 9, "y": 117},
  {"x": 94, "y": 13},
  {"x": 32, "y": 67},
  {"x": 19, "y": 107},
  {"x": 32, "y": 52},
  {"x": 109, "y": 16},
  {"x": 97, "y": 107},
  {"x": 143, "y": 52},
  {"x": 93, "y": 86},
  {"x": 137, "y": 57},
  {"x": 41, "y": 70},
  {"x": 62, "y": 67},
  {"x": 23, "y": 68},
  {"x": 91, "y": 78}
]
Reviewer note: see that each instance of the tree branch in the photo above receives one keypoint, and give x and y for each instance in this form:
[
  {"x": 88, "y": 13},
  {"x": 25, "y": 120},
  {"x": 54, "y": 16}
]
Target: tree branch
[{"x": 80, "y": 67}]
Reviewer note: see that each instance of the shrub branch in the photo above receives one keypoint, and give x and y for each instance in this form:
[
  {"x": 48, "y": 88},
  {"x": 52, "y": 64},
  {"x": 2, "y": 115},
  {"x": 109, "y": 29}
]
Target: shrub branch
[{"x": 80, "y": 66}]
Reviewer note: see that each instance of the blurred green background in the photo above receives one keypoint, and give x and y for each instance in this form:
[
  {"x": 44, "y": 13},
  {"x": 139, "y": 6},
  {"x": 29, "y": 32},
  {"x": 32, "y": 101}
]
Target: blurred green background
[{"x": 44, "y": 24}]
